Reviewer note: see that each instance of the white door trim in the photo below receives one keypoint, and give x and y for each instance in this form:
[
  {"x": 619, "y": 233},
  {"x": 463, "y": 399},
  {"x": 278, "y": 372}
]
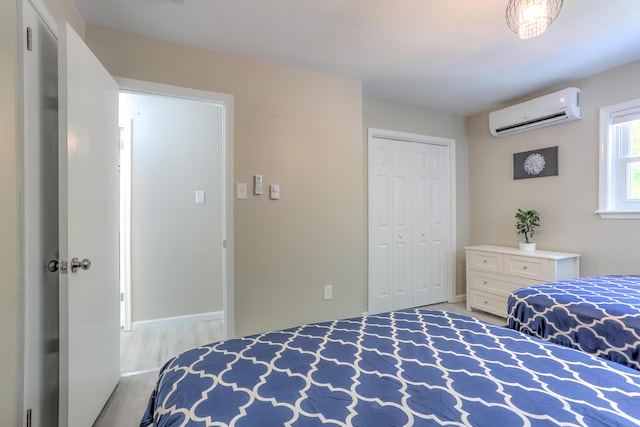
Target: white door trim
[
  {"x": 125, "y": 224},
  {"x": 45, "y": 15},
  {"x": 227, "y": 101},
  {"x": 451, "y": 144},
  {"x": 27, "y": 242}
]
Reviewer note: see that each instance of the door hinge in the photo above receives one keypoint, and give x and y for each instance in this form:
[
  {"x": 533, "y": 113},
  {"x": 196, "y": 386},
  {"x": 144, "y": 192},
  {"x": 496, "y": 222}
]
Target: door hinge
[
  {"x": 29, "y": 38},
  {"x": 121, "y": 296},
  {"x": 224, "y": 244},
  {"x": 28, "y": 417}
]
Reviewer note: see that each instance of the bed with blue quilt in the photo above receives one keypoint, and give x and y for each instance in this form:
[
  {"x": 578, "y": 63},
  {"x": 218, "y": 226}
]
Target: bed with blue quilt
[
  {"x": 598, "y": 315},
  {"x": 404, "y": 368}
]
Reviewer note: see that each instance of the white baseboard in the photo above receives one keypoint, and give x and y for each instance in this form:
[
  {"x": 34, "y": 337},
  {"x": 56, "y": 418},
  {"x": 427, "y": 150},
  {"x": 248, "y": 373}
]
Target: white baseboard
[{"x": 169, "y": 321}]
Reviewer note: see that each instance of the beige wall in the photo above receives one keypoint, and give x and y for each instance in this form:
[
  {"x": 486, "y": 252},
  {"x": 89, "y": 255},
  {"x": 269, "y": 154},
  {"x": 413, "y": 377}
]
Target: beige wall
[
  {"x": 66, "y": 10},
  {"x": 176, "y": 244},
  {"x": 10, "y": 366},
  {"x": 384, "y": 115},
  {"x": 567, "y": 202},
  {"x": 298, "y": 129}
]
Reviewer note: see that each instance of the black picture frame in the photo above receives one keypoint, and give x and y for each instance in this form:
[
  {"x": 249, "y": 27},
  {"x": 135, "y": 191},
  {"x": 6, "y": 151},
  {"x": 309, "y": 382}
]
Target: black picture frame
[{"x": 535, "y": 163}]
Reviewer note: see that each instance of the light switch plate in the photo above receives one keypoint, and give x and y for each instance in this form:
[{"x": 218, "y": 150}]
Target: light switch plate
[
  {"x": 274, "y": 191},
  {"x": 241, "y": 190},
  {"x": 199, "y": 197}
]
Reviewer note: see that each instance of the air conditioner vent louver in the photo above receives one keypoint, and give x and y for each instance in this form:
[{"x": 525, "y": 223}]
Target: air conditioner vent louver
[
  {"x": 556, "y": 108},
  {"x": 530, "y": 122}
]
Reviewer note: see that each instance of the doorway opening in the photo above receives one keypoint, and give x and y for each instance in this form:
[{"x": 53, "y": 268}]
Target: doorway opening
[{"x": 175, "y": 170}]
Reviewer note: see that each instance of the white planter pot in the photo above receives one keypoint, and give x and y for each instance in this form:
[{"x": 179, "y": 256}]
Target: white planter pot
[{"x": 527, "y": 246}]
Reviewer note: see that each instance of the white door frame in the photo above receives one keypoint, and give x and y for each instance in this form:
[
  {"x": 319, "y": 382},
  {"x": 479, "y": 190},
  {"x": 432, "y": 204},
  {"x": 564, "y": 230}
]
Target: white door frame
[
  {"x": 124, "y": 160},
  {"x": 227, "y": 215},
  {"x": 30, "y": 394},
  {"x": 426, "y": 139}
]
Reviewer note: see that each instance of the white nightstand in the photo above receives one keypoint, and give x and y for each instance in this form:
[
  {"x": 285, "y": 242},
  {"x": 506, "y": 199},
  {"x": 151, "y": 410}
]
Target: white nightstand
[{"x": 493, "y": 272}]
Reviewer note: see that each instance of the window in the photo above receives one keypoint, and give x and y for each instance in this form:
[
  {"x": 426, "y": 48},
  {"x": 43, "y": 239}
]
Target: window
[{"x": 620, "y": 161}]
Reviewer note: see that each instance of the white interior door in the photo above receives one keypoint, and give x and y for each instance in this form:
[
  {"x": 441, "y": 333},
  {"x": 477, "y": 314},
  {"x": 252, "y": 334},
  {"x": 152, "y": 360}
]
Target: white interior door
[
  {"x": 410, "y": 218},
  {"x": 88, "y": 196},
  {"x": 423, "y": 267},
  {"x": 380, "y": 227},
  {"x": 402, "y": 213},
  {"x": 431, "y": 224},
  {"x": 442, "y": 220},
  {"x": 392, "y": 190}
]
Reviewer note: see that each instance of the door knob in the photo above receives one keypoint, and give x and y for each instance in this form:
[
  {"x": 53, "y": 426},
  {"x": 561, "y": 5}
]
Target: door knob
[{"x": 85, "y": 264}]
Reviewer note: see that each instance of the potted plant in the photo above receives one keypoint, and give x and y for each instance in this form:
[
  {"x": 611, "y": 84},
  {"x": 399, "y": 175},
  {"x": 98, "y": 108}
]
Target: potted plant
[{"x": 526, "y": 223}]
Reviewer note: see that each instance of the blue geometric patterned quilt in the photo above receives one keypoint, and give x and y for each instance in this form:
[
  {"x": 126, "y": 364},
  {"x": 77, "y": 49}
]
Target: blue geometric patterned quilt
[
  {"x": 404, "y": 368},
  {"x": 599, "y": 315}
]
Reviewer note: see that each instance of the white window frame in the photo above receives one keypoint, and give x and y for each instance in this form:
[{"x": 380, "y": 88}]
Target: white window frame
[{"x": 612, "y": 204}]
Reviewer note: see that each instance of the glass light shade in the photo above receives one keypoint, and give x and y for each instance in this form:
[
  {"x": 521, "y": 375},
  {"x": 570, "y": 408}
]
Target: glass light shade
[{"x": 530, "y": 18}]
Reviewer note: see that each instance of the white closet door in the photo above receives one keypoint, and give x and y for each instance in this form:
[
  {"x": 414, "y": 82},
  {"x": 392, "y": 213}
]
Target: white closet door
[
  {"x": 402, "y": 219},
  {"x": 380, "y": 237},
  {"x": 409, "y": 221},
  {"x": 440, "y": 224},
  {"x": 423, "y": 263},
  {"x": 431, "y": 225}
]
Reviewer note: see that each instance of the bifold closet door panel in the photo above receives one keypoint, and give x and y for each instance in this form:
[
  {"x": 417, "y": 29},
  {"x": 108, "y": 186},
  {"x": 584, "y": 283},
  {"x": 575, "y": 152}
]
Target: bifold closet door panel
[{"x": 380, "y": 227}]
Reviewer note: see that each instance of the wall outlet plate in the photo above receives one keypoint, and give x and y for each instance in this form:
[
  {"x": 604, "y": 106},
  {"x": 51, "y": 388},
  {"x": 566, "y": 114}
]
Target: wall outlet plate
[{"x": 328, "y": 292}]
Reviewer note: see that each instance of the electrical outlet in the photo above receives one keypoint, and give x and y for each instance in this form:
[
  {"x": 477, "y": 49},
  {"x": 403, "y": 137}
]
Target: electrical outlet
[{"x": 328, "y": 292}]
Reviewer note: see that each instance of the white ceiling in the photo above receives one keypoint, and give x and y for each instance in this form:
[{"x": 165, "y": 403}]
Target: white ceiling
[{"x": 455, "y": 56}]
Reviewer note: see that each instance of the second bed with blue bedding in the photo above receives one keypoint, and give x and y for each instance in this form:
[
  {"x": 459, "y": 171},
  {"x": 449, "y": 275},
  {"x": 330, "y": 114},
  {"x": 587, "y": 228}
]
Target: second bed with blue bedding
[{"x": 598, "y": 315}]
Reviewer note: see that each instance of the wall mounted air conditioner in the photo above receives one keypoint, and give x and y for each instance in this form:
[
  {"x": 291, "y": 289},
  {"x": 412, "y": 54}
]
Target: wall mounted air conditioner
[{"x": 553, "y": 109}]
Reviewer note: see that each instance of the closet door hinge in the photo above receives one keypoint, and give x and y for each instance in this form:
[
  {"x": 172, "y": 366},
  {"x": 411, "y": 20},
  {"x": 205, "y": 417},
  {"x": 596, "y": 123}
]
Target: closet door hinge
[
  {"x": 29, "y": 39},
  {"x": 224, "y": 244},
  {"x": 28, "y": 417}
]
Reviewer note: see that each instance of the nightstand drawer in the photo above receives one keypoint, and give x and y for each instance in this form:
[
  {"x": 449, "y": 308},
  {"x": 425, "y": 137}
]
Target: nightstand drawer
[
  {"x": 490, "y": 303},
  {"x": 498, "y": 284},
  {"x": 487, "y": 261},
  {"x": 532, "y": 268}
]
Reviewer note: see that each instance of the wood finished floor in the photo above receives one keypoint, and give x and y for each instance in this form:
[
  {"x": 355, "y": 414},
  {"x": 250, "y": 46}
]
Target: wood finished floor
[
  {"x": 144, "y": 352},
  {"x": 150, "y": 348}
]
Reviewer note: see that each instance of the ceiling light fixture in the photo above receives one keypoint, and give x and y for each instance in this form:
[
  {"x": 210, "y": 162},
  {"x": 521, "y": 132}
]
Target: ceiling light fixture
[{"x": 530, "y": 18}]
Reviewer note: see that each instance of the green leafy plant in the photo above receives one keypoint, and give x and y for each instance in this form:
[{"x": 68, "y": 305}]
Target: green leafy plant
[{"x": 526, "y": 223}]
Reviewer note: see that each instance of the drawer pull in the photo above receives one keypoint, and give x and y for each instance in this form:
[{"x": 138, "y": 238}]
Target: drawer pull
[
  {"x": 524, "y": 268},
  {"x": 484, "y": 261},
  {"x": 486, "y": 302},
  {"x": 485, "y": 282}
]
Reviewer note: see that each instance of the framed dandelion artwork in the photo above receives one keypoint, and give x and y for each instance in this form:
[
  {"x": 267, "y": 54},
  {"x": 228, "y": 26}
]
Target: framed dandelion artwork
[{"x": 536, "y": 163}]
